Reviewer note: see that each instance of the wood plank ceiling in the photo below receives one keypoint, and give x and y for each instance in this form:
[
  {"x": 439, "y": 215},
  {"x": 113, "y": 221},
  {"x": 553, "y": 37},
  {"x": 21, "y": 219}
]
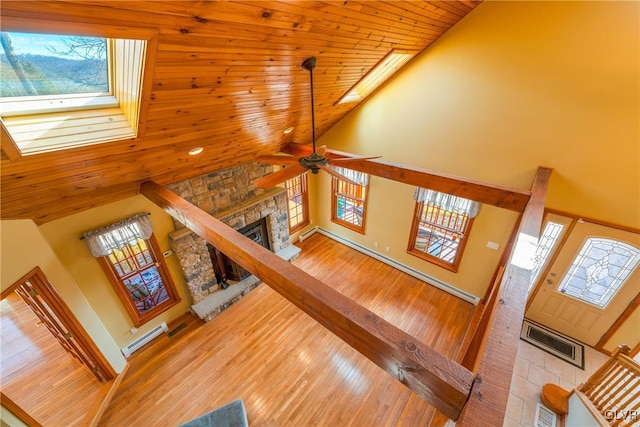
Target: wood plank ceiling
[{"x": 227, "y": 77}]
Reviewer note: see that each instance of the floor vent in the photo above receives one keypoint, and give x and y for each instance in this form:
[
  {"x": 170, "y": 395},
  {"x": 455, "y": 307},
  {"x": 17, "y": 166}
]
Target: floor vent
[
  {"x": 553, "y": 343},
  {"x": 545, "y": 417},
  {"x": 146, "y": 338}
]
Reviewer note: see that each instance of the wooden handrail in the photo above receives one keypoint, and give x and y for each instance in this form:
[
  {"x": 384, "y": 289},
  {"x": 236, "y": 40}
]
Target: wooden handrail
[
  {"x": 496, "y": 352},
  {"x": 614, "y": 389}
]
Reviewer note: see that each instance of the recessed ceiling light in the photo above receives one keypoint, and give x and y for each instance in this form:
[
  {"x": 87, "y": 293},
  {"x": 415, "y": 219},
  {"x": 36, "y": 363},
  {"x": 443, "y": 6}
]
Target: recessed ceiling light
[
  {"x": 196, "y": 150},
  {"x": 288, "y": 130}
]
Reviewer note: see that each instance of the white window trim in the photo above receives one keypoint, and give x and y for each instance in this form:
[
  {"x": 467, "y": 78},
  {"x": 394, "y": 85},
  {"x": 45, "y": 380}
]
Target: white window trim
[
  {"x": 32, "y": 105},
  {"x": 132, "y": 105}
]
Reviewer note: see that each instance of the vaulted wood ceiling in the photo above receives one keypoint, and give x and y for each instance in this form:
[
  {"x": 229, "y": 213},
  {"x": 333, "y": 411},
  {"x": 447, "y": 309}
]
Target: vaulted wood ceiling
[{"x": 227, "y": 77}]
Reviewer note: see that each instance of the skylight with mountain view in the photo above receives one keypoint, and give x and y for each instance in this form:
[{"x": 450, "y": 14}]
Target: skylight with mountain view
[
  {"x": 65, "y": 91},
  {"x": 47, "y": 64}
]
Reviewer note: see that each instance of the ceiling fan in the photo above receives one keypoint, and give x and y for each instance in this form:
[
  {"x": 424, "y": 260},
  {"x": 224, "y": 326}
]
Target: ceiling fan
[{"x": 314, "y": 162}]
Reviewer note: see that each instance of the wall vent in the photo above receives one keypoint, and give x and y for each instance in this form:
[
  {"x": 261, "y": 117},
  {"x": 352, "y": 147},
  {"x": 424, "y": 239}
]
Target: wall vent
[
  {"x": 545, "y": 417},
  {"x": 146, "y": 338}
]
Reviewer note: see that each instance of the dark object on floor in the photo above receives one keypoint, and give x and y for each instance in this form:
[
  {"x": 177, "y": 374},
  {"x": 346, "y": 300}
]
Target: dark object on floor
[
  {"x": 229, "y": 415},
  {"x": 177, "y": 329}
]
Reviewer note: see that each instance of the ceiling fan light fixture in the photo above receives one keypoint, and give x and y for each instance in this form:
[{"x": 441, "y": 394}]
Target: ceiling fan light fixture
[
  {"x": 195, "y": 151},
  {"x": 314, "y": 162},
  {"x": 288, "y": 130}
]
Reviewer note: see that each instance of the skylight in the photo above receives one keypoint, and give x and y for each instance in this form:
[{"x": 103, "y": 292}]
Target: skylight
[
  {"x": 65, "y": 91},
  {"x": 50, "y": 64},
  {"x": 377, "y": 75}
]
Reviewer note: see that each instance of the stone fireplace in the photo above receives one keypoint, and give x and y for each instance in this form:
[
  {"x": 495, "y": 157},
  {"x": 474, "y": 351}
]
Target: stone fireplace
[
  {"x": 230, "y": 196},
  {"x": 224, "y": 267}
]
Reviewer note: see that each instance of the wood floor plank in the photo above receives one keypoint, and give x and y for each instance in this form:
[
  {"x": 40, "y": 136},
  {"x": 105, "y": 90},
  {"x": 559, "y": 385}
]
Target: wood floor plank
[
  {"x": 38, "y": 374},
  {"x": 288, "y": 369}
]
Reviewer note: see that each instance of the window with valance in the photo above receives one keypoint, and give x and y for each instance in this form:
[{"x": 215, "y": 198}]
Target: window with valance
[
  {"x": 440, "y": 228},
  {"x": 349, "y": 199},
  {"x": 130, "y": 256}
]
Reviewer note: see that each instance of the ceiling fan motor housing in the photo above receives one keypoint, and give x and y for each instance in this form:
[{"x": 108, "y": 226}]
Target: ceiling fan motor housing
[{"x": 312, "y": 161}]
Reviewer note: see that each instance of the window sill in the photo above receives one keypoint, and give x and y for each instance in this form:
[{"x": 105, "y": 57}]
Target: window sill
[
  {"x": 433, "y": 260},
  {"x": 27, "y": 105},
  {"x": 40, "y": 133}
]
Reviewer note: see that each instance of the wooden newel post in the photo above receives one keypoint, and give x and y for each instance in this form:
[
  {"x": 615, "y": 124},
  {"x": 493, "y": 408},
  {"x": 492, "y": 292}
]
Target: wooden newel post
[{"x": 623, "y": 349}]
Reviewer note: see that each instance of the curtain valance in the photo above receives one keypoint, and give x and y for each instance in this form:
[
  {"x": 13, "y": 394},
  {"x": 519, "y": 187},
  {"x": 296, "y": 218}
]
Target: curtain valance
[
  {"x": 355, "y": 176},
  {"x": 447, "y": 202},
  {"x": 104, "y": 240}
]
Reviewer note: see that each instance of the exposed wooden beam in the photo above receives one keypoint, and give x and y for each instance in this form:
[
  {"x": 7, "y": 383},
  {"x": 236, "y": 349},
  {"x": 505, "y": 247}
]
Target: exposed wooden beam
[
  {"x": 440, "y": 381},
  {"x": 488, "y": 400},
  {"x": 503, "y": 197}
]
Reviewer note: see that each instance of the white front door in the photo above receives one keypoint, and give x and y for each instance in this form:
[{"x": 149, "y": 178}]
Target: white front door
[{"x": 593, "y": 279}]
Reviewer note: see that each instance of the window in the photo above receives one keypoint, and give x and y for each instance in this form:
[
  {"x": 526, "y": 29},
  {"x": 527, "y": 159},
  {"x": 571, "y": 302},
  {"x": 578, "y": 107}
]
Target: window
[
  {"x": 129, "y": 254},
  {"x": 599, "y": 270},
  {"x": 65, "y": 91},
  {"x": 440, "y": 228},
  {"x": 548, "y": 239},
  {"x": 297, "y": 202},
  {"x": 37, "y": 65},
  {"x": 349, "y": 200},
  {"x": 377, "y": 75}
]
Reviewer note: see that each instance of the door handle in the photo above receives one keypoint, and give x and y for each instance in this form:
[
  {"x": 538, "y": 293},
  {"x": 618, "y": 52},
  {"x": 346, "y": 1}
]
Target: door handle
[{"x": 549, "y": 281}]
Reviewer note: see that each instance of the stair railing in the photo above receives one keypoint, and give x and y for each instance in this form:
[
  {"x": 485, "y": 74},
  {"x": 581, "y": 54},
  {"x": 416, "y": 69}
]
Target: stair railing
[{"x": 613, "y": 391}]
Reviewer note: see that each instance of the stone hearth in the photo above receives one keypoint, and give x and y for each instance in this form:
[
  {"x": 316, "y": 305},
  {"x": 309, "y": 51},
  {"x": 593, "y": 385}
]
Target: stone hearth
[{"x": 230, "y": 196}]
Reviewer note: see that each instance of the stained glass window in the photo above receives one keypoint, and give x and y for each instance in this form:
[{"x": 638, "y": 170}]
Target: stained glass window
[
  {"x": 599, "y": 270},
  {"x": 547, "y": 241}
]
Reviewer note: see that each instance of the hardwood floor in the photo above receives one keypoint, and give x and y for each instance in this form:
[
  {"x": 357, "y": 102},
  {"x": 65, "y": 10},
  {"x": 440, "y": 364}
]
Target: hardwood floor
[
  {"x": 38, "y": 374},
  {"x": 288, "y": 369}
]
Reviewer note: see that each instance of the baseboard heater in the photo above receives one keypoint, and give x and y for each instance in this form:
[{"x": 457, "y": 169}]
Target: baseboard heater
[
  {"x": 404, "y": 268},
  {"x": 307, "y": 234},
  {"x": 146, "y": 338}
]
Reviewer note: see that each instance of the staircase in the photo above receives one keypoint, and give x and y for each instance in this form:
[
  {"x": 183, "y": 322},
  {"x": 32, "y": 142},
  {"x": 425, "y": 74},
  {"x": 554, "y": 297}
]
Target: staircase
[{"x": 611, "y": 395}]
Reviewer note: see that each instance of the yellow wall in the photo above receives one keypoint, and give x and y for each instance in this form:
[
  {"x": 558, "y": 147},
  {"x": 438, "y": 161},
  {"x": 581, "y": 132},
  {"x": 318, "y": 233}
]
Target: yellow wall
[
  {"x": 513, "y": 86},
  {"x": 389, "y": 216},
  {"x": 63, "y": 236},
  {"x": 23, "y": 247},
  {"x": 627, "y": 334}
]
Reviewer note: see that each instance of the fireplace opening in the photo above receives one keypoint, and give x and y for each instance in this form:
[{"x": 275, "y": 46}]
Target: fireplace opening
[{"x": 224, "y": 267}]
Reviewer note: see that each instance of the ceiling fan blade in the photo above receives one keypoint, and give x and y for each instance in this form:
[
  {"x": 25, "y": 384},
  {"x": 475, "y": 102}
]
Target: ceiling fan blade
[
  {"x": 336, "y": 174},
  {"x": 278, "y": 160},
  {"x": 280, "y": 176},
  {"x": 352, "y": 159},
  {"x": 320, "y": 150}
]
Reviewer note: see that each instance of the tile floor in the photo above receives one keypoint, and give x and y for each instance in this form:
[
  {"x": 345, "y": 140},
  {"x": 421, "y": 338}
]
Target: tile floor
[{"x": 533, "y": 369}]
